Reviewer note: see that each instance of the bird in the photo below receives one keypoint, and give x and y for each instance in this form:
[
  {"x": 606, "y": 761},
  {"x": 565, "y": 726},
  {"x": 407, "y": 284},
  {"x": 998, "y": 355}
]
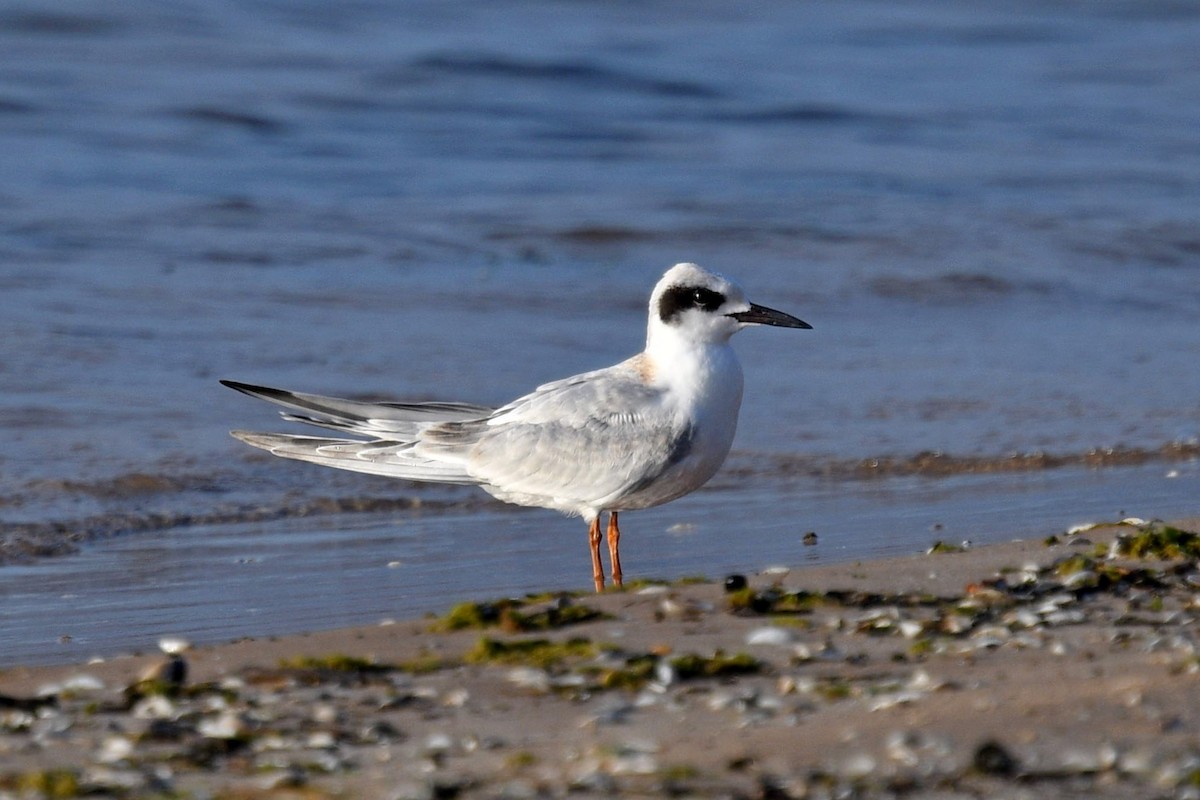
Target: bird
[{"x": 640, "y": 433}]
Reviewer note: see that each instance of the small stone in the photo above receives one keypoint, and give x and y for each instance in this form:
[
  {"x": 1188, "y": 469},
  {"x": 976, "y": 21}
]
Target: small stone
[
  {"x": 325, "y": 714},
  {"x": 1065, "y": 618},
  {"x": 664, "y": 673},
  {"x": 290, "y": 777},
  {"x": 858, "y": 765},
  {"x": 735, "y": 583},
  {"x": 809, "y": 539},
  {"x": 154, "y": 706},
  {"x": 1023, "y": 618},
  {"x": 611, "y": 714},
  {"x": 321, "y": 740},
  {"x": 438, "y": 743},
  {"x": 991, "y": 758},
  {"x": 172, "y": 672},
  {"x": 103, "y": 780}
]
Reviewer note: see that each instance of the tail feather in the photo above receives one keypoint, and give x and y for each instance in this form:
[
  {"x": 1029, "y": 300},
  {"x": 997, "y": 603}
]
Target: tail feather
[{"x": 390, "y": 459}]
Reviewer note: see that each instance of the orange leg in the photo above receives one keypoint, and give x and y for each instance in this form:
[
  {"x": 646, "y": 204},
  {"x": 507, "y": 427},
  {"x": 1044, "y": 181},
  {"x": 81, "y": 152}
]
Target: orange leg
[
  {"x": 614, "y": 545},
  {"x": 594, "y": 540}
]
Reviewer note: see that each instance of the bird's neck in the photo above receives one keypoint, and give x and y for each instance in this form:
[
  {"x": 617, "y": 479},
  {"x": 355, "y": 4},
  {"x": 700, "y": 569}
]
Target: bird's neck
[{"x": 692, "y": 366}]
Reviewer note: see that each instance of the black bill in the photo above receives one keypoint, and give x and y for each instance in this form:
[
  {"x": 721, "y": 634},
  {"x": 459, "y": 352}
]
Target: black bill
[{"x": 761, "y": 315}]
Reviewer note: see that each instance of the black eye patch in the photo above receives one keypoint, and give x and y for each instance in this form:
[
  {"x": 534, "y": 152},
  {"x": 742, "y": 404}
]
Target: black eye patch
[{"x": 677, "y": 299}]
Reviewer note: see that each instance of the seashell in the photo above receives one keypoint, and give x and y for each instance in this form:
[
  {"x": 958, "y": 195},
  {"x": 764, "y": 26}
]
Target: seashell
[
  {"x": 82, "y": 683},
  {"x": 114, "y": 749},
  {"x": 770, "y": 635},
  {"x": 226, "y": 725},
  {"x": 174, "y": 645},
  {"x": 530, "y": 678}
]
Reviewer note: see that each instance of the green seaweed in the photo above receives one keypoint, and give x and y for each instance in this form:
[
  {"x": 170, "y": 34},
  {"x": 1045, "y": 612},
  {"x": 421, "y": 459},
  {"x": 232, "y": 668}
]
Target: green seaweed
[
  {"x": 512, "y": 615},
  {"x": 1159, "y": 541},
  {"x": 336, "y": 662},
  {"x": 775, "y": 601},
  {"x": 1072, "y": 564},
  {"x": 48, "y": 783},
  {"x": 543, "y": 653},
  {"x": 635, "y": 673},
  {"x": 717, "y": 665}
]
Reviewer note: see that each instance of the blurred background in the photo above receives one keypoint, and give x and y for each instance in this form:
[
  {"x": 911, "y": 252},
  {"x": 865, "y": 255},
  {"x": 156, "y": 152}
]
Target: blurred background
[{"x": 989, "y": 213}]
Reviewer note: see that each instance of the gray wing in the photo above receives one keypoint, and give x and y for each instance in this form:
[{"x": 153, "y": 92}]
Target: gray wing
[{"x": 572, "y": 443}]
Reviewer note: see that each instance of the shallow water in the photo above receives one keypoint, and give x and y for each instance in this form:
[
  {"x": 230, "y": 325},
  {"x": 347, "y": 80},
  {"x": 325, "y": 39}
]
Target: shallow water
[
  {"x": 214, "y": 583},
  {"x": 988, "y": 215}
]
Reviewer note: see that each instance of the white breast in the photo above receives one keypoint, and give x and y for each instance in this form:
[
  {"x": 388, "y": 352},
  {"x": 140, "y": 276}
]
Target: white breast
[{"x": 705, "y": 386}]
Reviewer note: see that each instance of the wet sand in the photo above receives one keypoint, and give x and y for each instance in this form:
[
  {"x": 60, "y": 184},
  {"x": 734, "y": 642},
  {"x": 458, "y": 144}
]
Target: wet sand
[{"x": 1028, "y": 669}]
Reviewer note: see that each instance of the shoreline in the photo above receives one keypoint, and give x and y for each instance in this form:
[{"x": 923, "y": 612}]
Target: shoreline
[
  {"x": 1049, "y": 667},
  {"x": 55, "y": 534}
]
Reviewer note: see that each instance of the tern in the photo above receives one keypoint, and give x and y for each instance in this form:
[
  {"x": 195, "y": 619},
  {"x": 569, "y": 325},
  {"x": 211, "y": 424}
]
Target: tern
[{"x": 638, "y": 434}]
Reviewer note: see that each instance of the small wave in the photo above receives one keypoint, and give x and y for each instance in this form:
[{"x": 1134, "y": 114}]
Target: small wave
[
  {"x": 53, "y": 23},
  {"x": 810, "y": 114},
  {"x": 27, "y": 541},
  {"x": 950, "y": 289},
  {"x": 231, "y": 117},
  {"x": 933, "y": 464},
  {"x": 579, "y": 73}
]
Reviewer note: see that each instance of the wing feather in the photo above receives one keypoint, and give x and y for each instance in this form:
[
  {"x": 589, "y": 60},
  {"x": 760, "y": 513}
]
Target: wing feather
[
  {"x": 574, "y": 443},
  {"x": 369, "y": 419}
]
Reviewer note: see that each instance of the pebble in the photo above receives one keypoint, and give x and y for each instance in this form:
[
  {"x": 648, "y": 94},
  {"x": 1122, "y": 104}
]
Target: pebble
[
  {"x": 114, "y": 749},
  {"x": 154, "y": 706},
  {"x": 226, "y": 725},
  {"x": 288, "y": 735},
  {"x": 858, "y": 765},
  {"x": 438, "y": 743},
  {"x": 98, "y": 780},
  {"x": 530, "y": 678}
]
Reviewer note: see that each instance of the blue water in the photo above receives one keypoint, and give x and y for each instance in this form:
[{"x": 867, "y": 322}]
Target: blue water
[{"x": 988, "y": 213}]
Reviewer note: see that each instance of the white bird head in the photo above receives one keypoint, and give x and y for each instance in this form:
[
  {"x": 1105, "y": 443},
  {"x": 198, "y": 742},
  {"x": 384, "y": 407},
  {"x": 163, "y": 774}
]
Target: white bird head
[{"x": 694, "y": 305}]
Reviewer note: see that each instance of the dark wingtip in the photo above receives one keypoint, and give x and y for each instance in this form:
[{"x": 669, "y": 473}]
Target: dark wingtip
[
  {"x": 245, "y": 388},
  {"x": 255, "y": 391}
]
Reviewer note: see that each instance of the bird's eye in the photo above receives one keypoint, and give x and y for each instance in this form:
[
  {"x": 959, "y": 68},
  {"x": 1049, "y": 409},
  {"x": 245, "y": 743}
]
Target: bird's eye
[
  {"x": 677, "y": 299},
  {"x": 706, "y": 299}
]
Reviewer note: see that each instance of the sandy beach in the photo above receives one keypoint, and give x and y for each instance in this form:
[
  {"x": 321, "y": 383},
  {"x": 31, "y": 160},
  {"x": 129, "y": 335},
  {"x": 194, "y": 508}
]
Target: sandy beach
[{"x": 1057, "y": 668}]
